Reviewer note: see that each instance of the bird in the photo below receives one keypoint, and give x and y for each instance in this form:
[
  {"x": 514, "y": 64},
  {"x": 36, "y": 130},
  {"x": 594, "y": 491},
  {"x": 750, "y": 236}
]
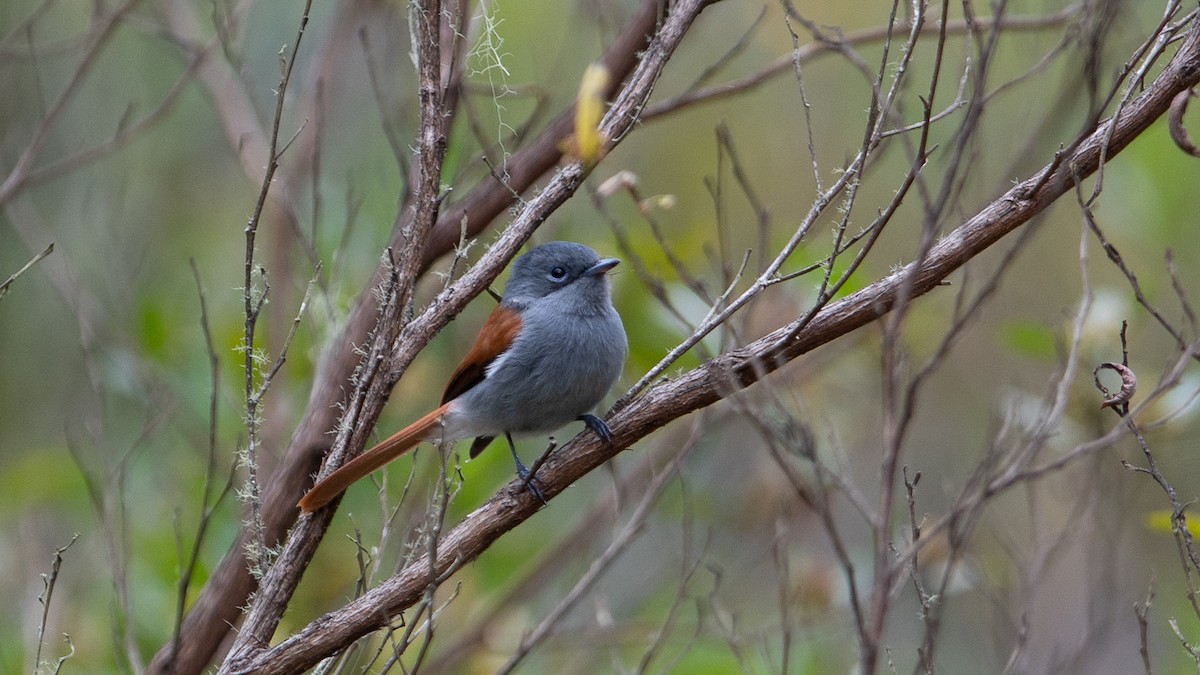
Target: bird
[{"x": 546, "y": 356}]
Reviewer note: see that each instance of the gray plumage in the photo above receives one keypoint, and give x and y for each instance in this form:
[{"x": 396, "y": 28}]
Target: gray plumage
[
  {"x": 565, "y": 349},
  {"x": 569, "y": 352}
]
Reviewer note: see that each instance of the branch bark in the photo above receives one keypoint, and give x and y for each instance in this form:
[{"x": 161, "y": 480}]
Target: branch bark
[
  {"x": 220, "y": 602},
  {"x": 248, "y": 656},
  {"x": 725, "y": 374}
]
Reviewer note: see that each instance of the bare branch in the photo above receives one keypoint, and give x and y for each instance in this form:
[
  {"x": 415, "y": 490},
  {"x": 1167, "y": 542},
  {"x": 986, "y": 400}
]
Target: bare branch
[
  {"x": 25, "y": 268},
  {"x": 218, "y": 605},
  {"x": 1179, "y": 133},
  {"x": 49, "y": 581},
  {"x": 710, "y": 382}
]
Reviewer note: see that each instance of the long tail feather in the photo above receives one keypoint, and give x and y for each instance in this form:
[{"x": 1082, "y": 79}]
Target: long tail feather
[{"x": 397, "y": 444}]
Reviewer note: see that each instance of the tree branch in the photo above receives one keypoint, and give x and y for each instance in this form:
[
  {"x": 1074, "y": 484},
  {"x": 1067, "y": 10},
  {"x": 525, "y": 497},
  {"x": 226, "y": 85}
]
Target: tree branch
[
  {"x": 219, "y": 603},
  {"x": 302, "y": 542},
  {"x": 719, "y": 377}
]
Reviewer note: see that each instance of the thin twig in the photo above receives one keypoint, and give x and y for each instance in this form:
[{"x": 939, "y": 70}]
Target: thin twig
[
  {"x": 253, "y": 300},
  {"x": 24, "y": 268},
  {"x": 49, "y": 582}
]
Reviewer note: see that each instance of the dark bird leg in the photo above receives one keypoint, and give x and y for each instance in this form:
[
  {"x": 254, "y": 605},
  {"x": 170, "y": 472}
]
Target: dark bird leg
[{"x": 522, "y": 472}]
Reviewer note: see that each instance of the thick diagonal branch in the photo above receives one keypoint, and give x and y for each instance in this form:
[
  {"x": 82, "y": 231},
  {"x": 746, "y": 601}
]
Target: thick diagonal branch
[
  {"x": 219, "y": 604},
  {"x": 668, "y": 400}
]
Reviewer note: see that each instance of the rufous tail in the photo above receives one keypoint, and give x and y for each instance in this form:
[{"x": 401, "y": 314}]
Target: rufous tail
[{"x": 397, "y": 444}]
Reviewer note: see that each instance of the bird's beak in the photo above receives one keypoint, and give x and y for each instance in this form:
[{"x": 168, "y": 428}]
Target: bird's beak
[{"x": 601, "y": 267}]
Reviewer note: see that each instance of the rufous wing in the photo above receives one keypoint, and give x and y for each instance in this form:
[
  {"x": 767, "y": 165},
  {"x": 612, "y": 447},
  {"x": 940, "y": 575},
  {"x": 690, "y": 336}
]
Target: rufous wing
[{"x": 495, "y": 337}]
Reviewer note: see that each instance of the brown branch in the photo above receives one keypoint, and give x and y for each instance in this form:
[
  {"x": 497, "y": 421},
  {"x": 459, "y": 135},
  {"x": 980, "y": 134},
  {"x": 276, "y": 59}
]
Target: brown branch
[
  {"x": 219, "y": 603},
  {"x": 709, "y": 383},
  {"x": 283, "y": 577},
  {"x": 1179, "y": 133},
  {"x": 316, "y": 643}
]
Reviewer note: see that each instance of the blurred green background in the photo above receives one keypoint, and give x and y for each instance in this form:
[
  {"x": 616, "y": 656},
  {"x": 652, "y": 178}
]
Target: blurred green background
[{"x": 105, "y": 385}]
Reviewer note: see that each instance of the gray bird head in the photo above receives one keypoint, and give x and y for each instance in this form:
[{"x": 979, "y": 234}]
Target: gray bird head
[{"x": 555, "y": 266}]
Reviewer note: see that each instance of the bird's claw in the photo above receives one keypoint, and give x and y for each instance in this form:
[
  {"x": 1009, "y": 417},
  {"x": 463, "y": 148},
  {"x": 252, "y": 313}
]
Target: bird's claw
[
  {"x": 525, "y": 474},
  {"x": 598, "y": 426},
  {"x": 530, "y": 482}
]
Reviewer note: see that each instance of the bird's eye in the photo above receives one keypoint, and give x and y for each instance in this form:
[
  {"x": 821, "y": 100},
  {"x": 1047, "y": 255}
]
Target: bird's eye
[{"x": 558, "y": 273}]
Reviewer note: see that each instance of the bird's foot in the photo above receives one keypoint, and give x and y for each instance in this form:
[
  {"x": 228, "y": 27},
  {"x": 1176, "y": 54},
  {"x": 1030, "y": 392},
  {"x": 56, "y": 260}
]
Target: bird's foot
[
  {"x": 526, "y": 476},
  {"x": 598, "y": 426},
  {"x": 531, "y": 483}
]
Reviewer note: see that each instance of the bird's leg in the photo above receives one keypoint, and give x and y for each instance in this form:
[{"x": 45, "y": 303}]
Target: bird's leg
[
  {"x": 522, "y": 472},
  {"x": 598, "y": 426}
]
